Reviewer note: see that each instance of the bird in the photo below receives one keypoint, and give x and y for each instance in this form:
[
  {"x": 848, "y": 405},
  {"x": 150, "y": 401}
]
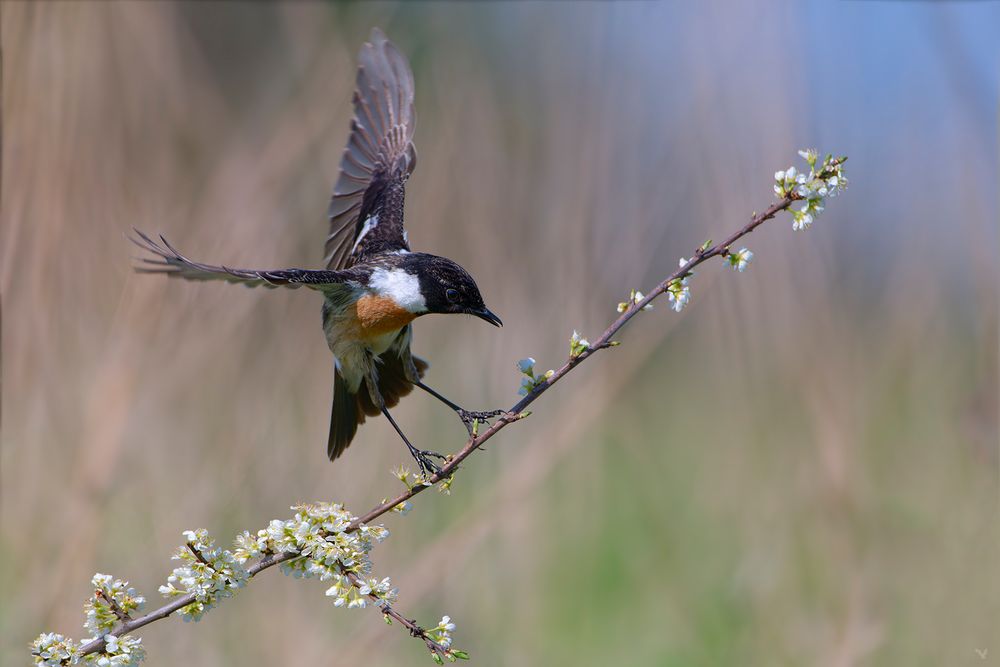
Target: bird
[{"x": 373, "y": 285}]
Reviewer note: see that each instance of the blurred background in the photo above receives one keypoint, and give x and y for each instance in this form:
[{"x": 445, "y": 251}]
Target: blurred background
[{"x": 799, "y": 469}]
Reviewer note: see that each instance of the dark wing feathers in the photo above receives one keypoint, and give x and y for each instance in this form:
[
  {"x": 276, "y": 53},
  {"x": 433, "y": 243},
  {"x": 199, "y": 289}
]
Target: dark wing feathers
[
  {"x": 378, "y": 158},
  {"x": 171, "y": 262},
  {"x": 366, "y": 218}
]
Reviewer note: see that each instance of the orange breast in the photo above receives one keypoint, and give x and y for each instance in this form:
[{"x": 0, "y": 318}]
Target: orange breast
[{"x": 378, "y": 316}]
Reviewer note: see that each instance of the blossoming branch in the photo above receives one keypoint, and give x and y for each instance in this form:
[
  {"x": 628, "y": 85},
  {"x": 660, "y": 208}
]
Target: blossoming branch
[{"x": 324, "y": 541}]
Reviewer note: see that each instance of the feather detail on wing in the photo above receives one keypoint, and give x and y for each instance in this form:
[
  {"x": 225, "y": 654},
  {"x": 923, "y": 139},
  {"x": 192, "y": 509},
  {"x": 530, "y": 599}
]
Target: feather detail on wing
[
  {"x": 379, "y": 155},
  {"x": 169, "y": 261}
]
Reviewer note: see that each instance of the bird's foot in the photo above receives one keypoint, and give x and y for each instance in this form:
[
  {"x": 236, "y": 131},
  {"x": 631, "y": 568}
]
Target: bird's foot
[
  {"x": 472, "y": 417},
  {"x": 423, "y": 458}
]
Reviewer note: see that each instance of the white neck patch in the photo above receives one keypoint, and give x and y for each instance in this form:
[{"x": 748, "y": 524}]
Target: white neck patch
[{"x": 400, "y": 286}]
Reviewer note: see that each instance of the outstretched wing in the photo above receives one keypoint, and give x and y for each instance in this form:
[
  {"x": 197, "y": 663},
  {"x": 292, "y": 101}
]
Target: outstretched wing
[
  {"x": 169, "y": 261},
  {"x": 366, "y": 210}
]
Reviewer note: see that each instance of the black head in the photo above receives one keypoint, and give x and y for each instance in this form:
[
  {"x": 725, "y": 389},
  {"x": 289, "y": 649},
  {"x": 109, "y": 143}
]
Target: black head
[{"x": 448, "y": 288}]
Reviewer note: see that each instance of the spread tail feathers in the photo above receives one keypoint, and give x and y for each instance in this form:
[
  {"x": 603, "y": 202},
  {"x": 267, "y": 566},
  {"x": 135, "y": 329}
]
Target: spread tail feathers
[{"x": 350, "y": 409}]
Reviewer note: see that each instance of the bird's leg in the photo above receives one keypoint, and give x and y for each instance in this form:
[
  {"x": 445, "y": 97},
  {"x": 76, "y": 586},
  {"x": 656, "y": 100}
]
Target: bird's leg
[
  {"x": 422, "y": 456},
  {"x": 468, "y": 417}
]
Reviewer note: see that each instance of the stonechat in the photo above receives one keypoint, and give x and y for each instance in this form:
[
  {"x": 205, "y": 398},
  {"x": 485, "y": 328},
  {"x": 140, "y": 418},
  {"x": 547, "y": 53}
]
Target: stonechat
[{"x": 373, "y": 285}]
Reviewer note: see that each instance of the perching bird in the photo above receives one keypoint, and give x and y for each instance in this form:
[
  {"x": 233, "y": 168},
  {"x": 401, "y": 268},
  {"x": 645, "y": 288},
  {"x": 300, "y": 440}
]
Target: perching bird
[{"x": 373, "y": 285}]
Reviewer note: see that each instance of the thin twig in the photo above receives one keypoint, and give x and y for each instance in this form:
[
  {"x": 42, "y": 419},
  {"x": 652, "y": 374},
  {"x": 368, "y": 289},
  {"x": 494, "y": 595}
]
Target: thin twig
[
  {"x": 411, "y": 625},
  {"x": 116, "y": 609},
  {"x": 197, "y": 554},
  {"x": 476, "y": 441}
]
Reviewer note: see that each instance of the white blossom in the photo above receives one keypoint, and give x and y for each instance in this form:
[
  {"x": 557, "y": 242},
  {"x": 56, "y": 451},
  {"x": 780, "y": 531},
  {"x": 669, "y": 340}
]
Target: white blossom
[
  {"x": 678, "y": 290},
  {"x": 578, "y": 345},
  {"x": 740, "y": 260},
  {"x": 801, "y": 218},
  {"x": 634, "y": 296},
  {"x": 122, "y": 651},
  {"x": 51, "y": 649},
  {"x": 318, "y": 532},
  {"x": 249, "y": 546},
  {"x": 100, "y": 613},
  {"x": 824, "y": 180},
  {"x": 442, "y": 632},
  {"x": 679, "y": 294},
  {"x": 529, "y": 381},
  {"x": 209, "y": 573},
  {"x": 355, "y": 600}
]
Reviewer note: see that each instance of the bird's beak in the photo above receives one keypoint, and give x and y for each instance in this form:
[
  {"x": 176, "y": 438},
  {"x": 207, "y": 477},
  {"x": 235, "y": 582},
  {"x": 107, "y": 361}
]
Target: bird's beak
[{"x": 487, "y": 314}]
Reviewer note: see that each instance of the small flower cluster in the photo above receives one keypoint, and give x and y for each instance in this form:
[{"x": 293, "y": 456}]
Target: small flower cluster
[
  {"x": 410, "y": 481},
  {"x": 678, "y": 290},
  {"x": 111, "y": 598},
  {"x": 739, "y": 260},
  {"x": 577, "y": 345},
  {"x": 445, "y": 486},
  {"x": 813, "y": 188},
  {"x": 530, "y": 381},
  {"x": 111, "y": 604},
  {"x": 402, "y": 508},
  {"x": 123, "y": 651},
  {"x": 354, "y": 592},
  {"x": 634, "y": 296},
  {"x": 51, "y": 649},
  {"x": 320, "y": 546},
  {"x": 441, "y": 635},
  {"x": 209, "y": 573},
  {"x": 318, "y": 532}
]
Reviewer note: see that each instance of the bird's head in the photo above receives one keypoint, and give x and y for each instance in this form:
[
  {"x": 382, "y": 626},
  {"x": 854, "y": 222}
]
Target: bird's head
[{"x": 448, "y": 288}]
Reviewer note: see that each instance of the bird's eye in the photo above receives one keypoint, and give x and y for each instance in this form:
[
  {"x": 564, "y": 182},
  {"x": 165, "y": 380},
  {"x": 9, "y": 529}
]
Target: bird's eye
[{"x": 452, "y": 294}]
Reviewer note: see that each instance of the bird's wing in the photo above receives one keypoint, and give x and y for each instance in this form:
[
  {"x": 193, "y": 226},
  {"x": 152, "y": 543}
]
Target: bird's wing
[
  {"x": 169, "y": 261},
  {"x": 366, "y": 209}
]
